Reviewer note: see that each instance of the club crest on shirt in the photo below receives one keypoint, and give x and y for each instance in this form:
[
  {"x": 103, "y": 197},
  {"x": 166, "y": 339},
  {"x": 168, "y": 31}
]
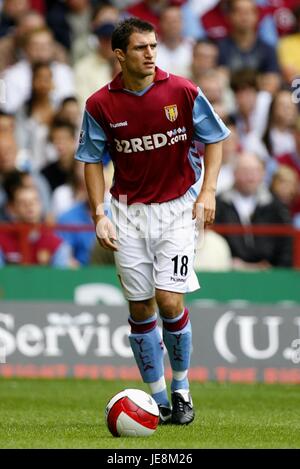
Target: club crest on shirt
[{"x": 171, "y": 112}]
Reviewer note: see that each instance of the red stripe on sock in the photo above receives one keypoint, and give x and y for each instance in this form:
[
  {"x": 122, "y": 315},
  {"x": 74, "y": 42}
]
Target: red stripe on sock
[
  {"x": 142, "y": 328},
  {"x": 177, "y": 325}
]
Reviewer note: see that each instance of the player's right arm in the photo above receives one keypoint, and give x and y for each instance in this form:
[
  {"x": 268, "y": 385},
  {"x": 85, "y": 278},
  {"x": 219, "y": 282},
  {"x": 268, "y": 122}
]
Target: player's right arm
[
  {"x": 90, "y": 151},
  {"x": 95, "y": 185}
]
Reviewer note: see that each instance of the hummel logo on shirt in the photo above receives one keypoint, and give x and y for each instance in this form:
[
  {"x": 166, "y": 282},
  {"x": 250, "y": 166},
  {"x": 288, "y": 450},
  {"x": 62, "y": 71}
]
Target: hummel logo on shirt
[{"x": 119, "y": 124}]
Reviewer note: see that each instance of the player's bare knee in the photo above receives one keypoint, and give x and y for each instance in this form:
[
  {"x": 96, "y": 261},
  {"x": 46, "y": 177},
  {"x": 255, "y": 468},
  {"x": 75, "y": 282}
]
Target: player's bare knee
[
  {"x": 142, "y": 310},
  {"x": 170, "y": 304}
]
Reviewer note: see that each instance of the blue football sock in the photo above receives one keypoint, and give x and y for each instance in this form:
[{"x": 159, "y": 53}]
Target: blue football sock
[
  {"x": 177, "y": 335},
  {"x": 148, "y": 350}
]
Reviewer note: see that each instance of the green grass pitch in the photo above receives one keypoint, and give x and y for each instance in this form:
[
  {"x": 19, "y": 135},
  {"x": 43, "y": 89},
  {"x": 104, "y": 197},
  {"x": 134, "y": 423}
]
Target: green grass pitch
[{"x": 70, "y": 414}]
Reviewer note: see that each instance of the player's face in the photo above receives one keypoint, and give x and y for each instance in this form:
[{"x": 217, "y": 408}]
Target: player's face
[
  {"x": 140, "y": 56},
  {"x": 27, "y": 206},
  {"x": 249, "y": 174},
  {"x": 244, "y": 15}
]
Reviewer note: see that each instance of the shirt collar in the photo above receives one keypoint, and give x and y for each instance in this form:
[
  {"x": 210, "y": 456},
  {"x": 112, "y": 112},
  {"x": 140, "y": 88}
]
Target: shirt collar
[{"x": 117, "y": 83}]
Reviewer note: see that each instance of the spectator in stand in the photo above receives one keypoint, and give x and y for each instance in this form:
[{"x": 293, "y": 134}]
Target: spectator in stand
[
  {"x": 174, "y": 52},
  {"x": 44, "y": 247},
  {"x": 212, "y": 85},
  {"x": 11, "y": 44},
  {"x": 96, "y": 253},
  {"x": 98, "y": 67},
  {"x": 12, "y": 158},
  {"x": 215, "y": 20},
  {"x": 7, "y": 123},
  {"x": 69, "y": 111},
  {"x": 11, "y": 12},
  {"x": 39, "y": 5},
  {"x": 292, "y": 160},
  {"x": 243, "y": 48},
  {"x": 205, "y": 58},
  {"x": 297, "y": 221},
  {"x": 103, "y": 14},
  {"x": 252, "y": 105},
  {"x": 231, "y": 152},
  {"x": 35, "y": 117},
  {"x": 249, "y": 202},
  {"x": 275, "y": 19},
  {"x": 123, "y": 3},
  {"x": 280, "y": 12},
  {"x": 82, "y": 243},
  {"x": 149, "y": 10},
  {"x": 288, "y": 52},
  {"x": 286, "y": 187},
  {"x": 212, "y": 253},
  {"x": 63, "y": 137},
  {"x": 279, "y": 137},
  {"x": 101, "y": 256},
  {"x": 10, "y": 181},
  {"x": 70, "y": 22},
  {"x": 64, "y": 197},
  {"x": 38, "y": 47}
]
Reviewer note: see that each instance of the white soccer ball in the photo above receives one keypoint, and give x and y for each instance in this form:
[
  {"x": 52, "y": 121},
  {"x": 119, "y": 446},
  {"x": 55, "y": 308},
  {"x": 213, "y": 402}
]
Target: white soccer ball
[{"x": 132, "y": 412}]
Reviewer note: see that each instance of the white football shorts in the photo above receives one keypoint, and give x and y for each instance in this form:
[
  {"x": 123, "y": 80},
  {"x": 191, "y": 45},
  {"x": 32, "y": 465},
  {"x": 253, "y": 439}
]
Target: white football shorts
[{"x": 156, "y": 247}]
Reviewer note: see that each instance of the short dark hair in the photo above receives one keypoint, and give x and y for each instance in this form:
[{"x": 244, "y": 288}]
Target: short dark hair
[
  {"x": 62, "y": 124},
  {"x": 69, "y": 99},
  {"x": 13, "y": 181},
  {"x": 37, "y": 66},
  {"x": 296, "y": 12},
  {"x": 205, "y": 41},
  {"x": 121, "y": 35},
  {"x": 243, "y": 79}
]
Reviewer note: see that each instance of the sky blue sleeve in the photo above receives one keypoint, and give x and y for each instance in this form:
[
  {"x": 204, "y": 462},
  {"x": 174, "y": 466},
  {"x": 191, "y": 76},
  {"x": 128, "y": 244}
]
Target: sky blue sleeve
[
  {"x": 92, "y": 141},
  {"x": 208, "y": 126}
]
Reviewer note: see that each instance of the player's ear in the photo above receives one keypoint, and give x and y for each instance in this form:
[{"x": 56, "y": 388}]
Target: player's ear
[{"x": 119, "y": 53}]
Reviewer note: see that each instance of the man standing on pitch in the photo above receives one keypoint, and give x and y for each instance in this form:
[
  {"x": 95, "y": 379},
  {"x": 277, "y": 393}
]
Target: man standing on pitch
[{"x": 149, "y": 121}]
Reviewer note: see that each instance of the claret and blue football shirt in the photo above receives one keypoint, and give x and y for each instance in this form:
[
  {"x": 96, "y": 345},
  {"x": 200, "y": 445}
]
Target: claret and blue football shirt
[{"x": 150, "y": 136}]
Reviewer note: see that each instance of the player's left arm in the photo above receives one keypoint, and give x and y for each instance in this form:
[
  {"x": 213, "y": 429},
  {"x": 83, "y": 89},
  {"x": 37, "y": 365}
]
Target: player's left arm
[
  {"x": 210, "y": 130},
  {"x": 206, "y": 201}
]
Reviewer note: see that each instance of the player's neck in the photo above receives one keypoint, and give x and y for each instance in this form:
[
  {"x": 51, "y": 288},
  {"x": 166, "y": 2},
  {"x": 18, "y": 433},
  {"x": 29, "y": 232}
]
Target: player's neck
[{"x": 134, "y": 83}]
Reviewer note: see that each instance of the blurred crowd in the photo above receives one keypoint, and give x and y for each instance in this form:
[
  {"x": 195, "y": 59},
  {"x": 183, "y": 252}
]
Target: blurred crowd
[{"x": 243, "y": 54}]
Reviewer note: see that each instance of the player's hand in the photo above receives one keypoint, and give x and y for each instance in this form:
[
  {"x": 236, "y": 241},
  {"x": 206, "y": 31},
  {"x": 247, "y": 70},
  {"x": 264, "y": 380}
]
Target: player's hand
[
  {"x": 106, "y": 233},
  {"x": 204, "y": 209}
]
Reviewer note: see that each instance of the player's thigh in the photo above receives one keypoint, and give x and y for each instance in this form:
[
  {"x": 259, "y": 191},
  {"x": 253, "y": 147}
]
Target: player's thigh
[
  {"x": 135, "y": 269},
  {"x": 133, "y": 259},
  {"x": 173, "y": 265},
  {"x": 174, "y": 251}
]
